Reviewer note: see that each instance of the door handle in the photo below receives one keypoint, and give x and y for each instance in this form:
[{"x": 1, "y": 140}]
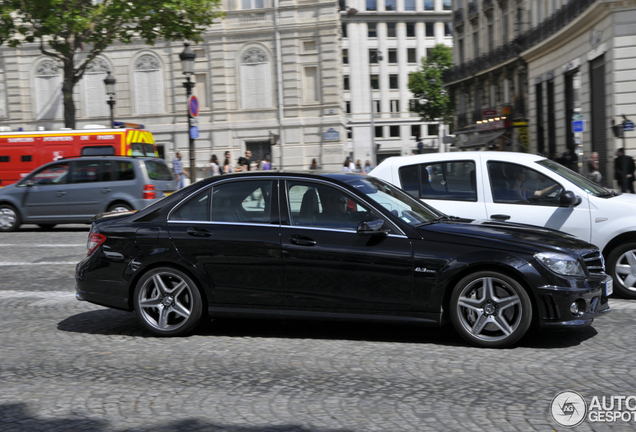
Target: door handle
[
  {"x": 302, "y": 241},
  {"x": 198, "y": 232},
  {"x": 106, "y": 190},
  {"x": 501, "y": 217},
  {"x": 60, "y": 193}
]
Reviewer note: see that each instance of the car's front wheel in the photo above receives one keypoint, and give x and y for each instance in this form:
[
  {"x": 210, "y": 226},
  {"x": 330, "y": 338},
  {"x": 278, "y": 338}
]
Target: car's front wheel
[
  {"x": 9, "y": 218},
  {"x": 490, "y": 309},
  {"x": 168, "y": 302},
  {"x": 621, "y": 265}
]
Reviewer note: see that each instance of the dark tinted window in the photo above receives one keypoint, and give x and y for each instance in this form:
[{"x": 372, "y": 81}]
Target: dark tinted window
[
  {"x": 158, "y": 170},
  {"x": 86, "y": 171},
  {"x": 124, "y": 170},
  {"x": 98, "y": 151},
  {"x": 53, "y": 174},
  {"x": 27, "y": 158},
  {"x": 454, "y": 180},
  {"x": 517, "y": 184},
  {"x": 242, "y": 201},
  {"x": 410, "y": 180},
  {"x": 5, "y": 158},
  {"x": 196, "y": 208}
]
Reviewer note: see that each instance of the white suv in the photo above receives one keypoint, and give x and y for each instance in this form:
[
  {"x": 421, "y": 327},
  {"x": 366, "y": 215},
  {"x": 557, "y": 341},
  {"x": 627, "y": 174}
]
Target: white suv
[{"x": 524, "y": 188}]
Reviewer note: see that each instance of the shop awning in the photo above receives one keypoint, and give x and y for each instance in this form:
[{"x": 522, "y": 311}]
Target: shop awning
[{"x": 483, "y": 138}]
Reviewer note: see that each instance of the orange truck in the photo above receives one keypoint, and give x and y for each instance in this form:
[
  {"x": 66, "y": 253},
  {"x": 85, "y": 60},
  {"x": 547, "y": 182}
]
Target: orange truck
[{"x": 22, "y": 152}]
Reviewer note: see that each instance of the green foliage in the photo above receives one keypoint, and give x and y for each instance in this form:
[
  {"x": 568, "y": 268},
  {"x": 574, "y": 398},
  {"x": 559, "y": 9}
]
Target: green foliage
[
  {"x": 433, "y": 101},
  {"x": 65, "y": 28}
]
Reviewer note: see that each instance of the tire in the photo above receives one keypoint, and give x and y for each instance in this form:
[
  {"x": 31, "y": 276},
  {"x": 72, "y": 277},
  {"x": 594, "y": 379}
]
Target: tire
[
  {"x": 46, "y": 227},
  {"x": 168, "y": 302},
  {"x": 621, "y": 266},
  {"x": 118, "y": 208},
  {"x": 490, "y": 310},
  {"x": 9, "y": 218}
]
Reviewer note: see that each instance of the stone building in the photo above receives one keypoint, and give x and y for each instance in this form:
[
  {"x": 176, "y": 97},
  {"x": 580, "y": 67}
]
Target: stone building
[{"x": 268, "y": 79}]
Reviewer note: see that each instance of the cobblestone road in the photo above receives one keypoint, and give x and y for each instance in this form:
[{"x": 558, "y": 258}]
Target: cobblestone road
[{"x": 68, "y": 365}]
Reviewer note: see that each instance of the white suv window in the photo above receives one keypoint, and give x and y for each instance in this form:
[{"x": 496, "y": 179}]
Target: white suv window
[
  {"x": 449, "y": 180},
  {"x": 517, "y": 184}
]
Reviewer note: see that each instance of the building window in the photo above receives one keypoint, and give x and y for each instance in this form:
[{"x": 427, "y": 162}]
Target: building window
[
  {"x": 372, "y": 30},
  {"x": 311, "y": 84},
  {"x": 394, "y": 131},
  {"x": 491, "y": 38},
  {"x": 252, "y": 4},
  {"x": 345, "y": 56},
  {"x": 94, "y": 88},
  {"x": 409, "y": 5},
  {"x": 371, "y": 5},
  {"x": 346, "y": 83},
  {"x": 375, "y": 82},
  {"x": 448, "y": 29},
  {"x": 309, "y": 46},
  {"x": 461, "y": 51},
  {"x": 433, "y": 129},
  {"x": 201, "y": 90},
  {"x": 376, "y": 106},
  {"x": 392, "y": 55},
  {"x": 395, "y": 106},
  {"x": 390, "y": 30},
  {"x": 148, "y": 85},
  {"x": 344, "y": 30},
  {"x": 429, "y": 4},
  {"x": 349, "y": 133},
  {"x": 48, "y": 90},
  {"x": 428, "y": 52},
  {"x": 410, "y": 29},
  {"x": 379, "y": 132},
  {"x": 393, "y": 81},
  {"x": 348, "y": 107},
  {"x": 430, "y": 29},
  {"x": 475, "y": 44},
  {"x": 373, "y": 56},
  {"x": 255, "y": 79},
  {"x": 411, "y": 56},
  {"x": 415, "y": 131},
  {"x": 447, "y": 5},
  {"x": 506, "y": 27},
  {"x": 389, "y": 5}
]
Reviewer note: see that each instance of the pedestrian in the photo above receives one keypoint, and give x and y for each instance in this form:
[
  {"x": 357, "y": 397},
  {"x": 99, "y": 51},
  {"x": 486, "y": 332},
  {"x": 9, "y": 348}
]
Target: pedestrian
[
  {"x": 214, "y": 166},
  {"x": 177, "y": 167},
  {"x": 593, "y": 170},
  {"x": 358, "y": 166},
  {"x": 367, "y": 167},
  {"x": 569, "y": 159},
  {"x": 420, "y": 146},
  {"x": 227, "y": 163},
  {"x": 348, "y": 166},
  {"x": 245, "y": 162},
  {"x": 624, "y": 171},
  {"x": 314, "y": 164},
  {"x": 266, "y": 165}
]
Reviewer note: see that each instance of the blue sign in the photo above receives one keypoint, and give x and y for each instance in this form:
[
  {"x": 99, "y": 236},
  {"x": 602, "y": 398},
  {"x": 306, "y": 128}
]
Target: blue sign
[
  {"x": 331, "y": 135},
  {"x": 193, "y": 106},
  {"x": 578, "y": 126},
  {"x": 628, "y": 126},
  {"x": 194, "y": 132}
]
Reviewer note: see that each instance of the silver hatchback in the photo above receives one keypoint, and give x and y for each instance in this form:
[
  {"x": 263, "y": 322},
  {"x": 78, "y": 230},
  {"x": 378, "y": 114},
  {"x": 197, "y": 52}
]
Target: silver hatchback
[{"x": 74, "y": 190}]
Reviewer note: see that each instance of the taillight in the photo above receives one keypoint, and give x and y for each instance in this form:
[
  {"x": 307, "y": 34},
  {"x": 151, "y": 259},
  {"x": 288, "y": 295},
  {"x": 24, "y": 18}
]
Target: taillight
[
  {"x": 95, "y": 240},
  {"x": 149, "y": 192}
]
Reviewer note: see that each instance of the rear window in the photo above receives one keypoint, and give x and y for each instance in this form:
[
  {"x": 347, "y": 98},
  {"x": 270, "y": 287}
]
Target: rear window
[{"x": 158, "y": 170}]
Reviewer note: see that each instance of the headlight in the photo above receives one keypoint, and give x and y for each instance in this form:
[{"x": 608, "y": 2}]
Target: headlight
[{"x": 561, "y": 263}]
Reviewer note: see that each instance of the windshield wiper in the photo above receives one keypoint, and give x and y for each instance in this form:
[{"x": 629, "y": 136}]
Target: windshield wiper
[{"x": 608, "y": 194}]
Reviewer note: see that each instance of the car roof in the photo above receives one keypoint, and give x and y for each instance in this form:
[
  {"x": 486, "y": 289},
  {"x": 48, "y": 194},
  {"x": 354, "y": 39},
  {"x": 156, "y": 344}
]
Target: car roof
[{"x": 491, "y": 155}]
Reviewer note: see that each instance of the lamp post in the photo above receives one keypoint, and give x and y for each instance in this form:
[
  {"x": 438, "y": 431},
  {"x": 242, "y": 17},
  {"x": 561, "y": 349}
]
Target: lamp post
[
  {"x": 187, "y": 57},
  {"x": 110, "y": 91},
  {"x": 378, "y": 57}
]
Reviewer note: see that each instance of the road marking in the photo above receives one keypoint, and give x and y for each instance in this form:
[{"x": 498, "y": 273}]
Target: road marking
[
  {"x": 3, "y": 264},
  {"x": 43, "y": 245}
]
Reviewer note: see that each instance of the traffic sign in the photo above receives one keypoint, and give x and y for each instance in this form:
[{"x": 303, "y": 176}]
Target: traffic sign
[
  {"x": 194, "y": 132},
  {"x": 578, "y": 126},
  {"x": 193, "y": 106},
  {"x": 628, "y": 126}
]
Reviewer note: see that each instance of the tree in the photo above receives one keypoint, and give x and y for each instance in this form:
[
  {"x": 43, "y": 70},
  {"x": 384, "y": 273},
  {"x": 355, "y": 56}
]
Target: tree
[
  {"x": 433, "y": 101},
  {"x": 75, "y": 32}
]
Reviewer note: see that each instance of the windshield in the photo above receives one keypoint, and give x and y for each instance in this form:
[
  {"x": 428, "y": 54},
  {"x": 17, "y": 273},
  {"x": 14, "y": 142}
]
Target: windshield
[
  {"x": 142, "y": 149},
  {"x": 158, "y": 170},
  {"x": 400, "y": 204},
  {"x": 587, "y": 185}
]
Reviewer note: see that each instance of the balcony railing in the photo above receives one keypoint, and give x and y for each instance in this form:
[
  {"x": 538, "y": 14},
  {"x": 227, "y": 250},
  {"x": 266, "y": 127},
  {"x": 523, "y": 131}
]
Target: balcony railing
[
  {"x": 472, "y": 9},
  {"x": 487, "y": 4},
  {"x": 538, "y": 34},
  {"x": 458, "y": 16}
]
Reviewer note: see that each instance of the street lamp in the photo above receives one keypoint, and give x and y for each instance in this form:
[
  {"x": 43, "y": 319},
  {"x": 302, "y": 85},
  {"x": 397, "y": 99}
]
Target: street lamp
[
  {"x": 187, "y": 57},
  {"x": 110, "y": 91},
  {"x": 378, "y": 58}
]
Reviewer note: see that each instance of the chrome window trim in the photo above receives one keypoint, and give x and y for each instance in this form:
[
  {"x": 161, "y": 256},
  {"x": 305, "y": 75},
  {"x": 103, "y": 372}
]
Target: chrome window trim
[
  {"x": 224, "y": 223},
  {"x": 185, "y": 199},
  {"x": 334, "y": 230},
  {"x": 285, "y": 178}
]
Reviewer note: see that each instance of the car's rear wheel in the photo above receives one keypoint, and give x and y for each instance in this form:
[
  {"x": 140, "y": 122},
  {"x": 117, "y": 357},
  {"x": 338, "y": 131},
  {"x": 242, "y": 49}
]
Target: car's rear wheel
[
  {"x": 490, "y": 309},
  {"x": 9, "y": 218},
  {"x": 168, "y": 302},
  {"x": 118, "y": 208},
  {"x": 621, "y": 265}
]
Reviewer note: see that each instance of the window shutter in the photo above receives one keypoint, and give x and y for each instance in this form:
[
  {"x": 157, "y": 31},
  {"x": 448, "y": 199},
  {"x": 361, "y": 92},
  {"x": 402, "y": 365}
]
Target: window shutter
[
  {"x": 48, "y": 90},
  {"x": 95, "y": 95}
]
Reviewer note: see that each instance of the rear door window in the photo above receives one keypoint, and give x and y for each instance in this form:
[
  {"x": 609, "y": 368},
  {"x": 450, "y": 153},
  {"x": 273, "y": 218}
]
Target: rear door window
[
  {"x": 451, "y": 180},
  {"x": 87, "y": 171},
  {"x": 245, "y": 201},
  {"x": 124, "y": 170}
]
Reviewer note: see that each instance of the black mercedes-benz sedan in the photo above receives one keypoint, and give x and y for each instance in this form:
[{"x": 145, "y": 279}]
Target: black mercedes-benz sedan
[{"x": 336, "y": 247}]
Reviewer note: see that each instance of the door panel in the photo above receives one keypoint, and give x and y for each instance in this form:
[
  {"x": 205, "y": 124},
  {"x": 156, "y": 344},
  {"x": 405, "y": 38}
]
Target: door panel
[{"x": 47, "y": 196}]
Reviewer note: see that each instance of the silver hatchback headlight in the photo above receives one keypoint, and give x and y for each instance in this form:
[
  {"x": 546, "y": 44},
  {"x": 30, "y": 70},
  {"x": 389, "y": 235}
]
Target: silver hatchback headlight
[{"x": 559, "y": 263}]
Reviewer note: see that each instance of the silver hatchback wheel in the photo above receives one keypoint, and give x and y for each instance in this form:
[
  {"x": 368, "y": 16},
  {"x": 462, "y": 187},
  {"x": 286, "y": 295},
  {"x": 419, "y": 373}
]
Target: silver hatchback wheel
[
  {"x": 9, "y": 218},
  {"x": 167, "y": 302},
  {"x": 490, "y": 309}
]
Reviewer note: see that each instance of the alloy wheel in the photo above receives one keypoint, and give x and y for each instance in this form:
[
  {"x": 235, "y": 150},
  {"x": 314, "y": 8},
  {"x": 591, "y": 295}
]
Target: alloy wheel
[{"x": 166, "y": 302}]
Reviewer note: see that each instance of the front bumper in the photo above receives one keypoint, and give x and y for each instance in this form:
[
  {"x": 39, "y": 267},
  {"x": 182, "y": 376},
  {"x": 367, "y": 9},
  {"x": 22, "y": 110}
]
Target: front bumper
[{"x": 554, "y": 303}]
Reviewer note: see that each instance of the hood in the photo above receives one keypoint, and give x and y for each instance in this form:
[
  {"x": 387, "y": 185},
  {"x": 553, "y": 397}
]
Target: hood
[
  {"x": 504, "y": 235},
  {"x": 7, "y": 188},
  {"x": 621, "y": 200}
]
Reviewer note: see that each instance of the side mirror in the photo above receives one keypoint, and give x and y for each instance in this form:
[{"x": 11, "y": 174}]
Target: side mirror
[
  {"x": 372, "y": 227},
  {"x": 569, "y": 199}
]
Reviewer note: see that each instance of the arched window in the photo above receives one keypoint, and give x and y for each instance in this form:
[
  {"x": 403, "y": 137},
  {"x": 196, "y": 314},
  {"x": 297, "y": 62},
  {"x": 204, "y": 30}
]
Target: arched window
[
  {"x": 95, "y": 89},
  {"x": 48, "y": 90},
  {"x": 256, "y": 86},
  {"x": 148, "y": 85}
]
